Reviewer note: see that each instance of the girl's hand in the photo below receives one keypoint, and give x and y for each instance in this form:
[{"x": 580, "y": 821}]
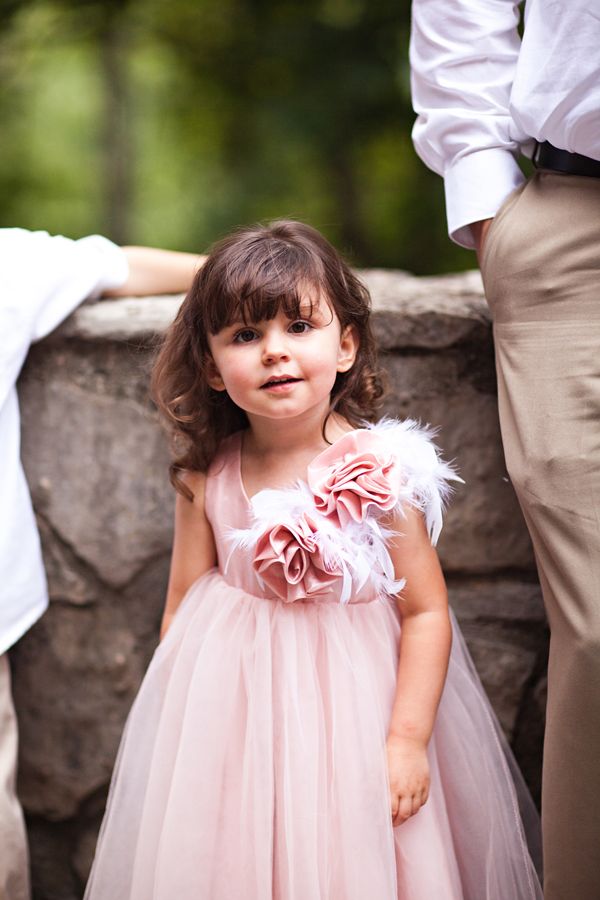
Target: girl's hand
[{"x": 408, "y": 770}]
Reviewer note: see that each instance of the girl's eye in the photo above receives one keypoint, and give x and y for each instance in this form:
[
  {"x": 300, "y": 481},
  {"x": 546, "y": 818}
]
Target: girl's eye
[
  {"x": 245, "y": 336},
  {"x": 300, "y": 327}
]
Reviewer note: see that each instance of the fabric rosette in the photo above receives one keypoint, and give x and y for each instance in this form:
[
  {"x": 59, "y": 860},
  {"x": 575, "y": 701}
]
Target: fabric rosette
[
  {"x": 290, "y": 562},
  {"x": 354, "y": 478}
]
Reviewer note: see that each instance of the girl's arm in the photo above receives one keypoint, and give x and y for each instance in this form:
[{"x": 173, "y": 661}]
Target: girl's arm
[
  {"x": 194, "y": 550},
  {"x": 424, "y": 651}
]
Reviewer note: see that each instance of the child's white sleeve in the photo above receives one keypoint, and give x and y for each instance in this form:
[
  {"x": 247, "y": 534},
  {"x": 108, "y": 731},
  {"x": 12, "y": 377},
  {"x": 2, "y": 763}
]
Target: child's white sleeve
[
  {"x": 42, "y": 280},
  {"x": 75, "y": 271}
]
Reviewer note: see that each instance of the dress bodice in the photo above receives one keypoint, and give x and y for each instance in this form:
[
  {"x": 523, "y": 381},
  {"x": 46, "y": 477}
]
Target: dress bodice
[
  {"x": 231, "y": 513},
  {"x": 325, "y": 538}
]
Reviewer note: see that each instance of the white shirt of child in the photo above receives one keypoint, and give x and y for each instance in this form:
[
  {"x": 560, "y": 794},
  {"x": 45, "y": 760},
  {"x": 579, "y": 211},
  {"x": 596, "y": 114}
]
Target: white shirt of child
[
  {"x": 482, "y": 95},
  {"x": 42, "y": 280}
]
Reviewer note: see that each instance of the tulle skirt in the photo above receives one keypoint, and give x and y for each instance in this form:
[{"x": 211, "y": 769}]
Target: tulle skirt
[{"x": 252, "y": 766}]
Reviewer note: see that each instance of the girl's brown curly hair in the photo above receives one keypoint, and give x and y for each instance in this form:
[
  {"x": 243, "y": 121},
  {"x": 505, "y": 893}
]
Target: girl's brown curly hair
[{"x": 249, "y": 276}]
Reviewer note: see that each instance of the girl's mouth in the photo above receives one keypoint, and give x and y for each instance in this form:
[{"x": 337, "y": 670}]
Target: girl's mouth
[{"x": 279, "y": 383}]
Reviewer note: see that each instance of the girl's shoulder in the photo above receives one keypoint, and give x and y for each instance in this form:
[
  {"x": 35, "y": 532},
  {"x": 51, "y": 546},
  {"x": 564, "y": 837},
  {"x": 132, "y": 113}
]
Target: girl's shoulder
[
  {"x": 381, "y": 468},
  {"x": 408, "y": 442},
  {"x": 195, "y": 482}
]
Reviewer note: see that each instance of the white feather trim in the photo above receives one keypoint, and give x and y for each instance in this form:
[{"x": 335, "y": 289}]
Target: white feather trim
[{"x": 426, "y": 477}]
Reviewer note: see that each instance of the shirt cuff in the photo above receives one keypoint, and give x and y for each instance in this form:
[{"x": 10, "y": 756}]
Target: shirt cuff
[
  {"x": 113, "y": 269},
  {"x": 476, "y": 186}
]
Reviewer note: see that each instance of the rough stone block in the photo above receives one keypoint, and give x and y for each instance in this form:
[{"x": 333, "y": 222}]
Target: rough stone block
[
  {"x": 98, "y": 476},
  {"x": 484, "y": 529}
]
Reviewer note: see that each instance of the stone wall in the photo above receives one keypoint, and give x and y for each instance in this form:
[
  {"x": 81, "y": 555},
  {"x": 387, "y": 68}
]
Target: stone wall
[{"x": 97, "y": 465}]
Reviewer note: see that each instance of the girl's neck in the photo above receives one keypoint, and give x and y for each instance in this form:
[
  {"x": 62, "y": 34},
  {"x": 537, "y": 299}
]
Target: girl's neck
[{"x": 297, "y": 436}]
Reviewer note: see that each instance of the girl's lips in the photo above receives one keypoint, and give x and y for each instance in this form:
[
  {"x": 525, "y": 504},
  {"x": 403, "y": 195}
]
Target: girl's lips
[{"x": 281, "y": 386}]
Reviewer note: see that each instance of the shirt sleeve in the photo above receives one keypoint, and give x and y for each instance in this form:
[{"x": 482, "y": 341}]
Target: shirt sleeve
[
  {"x": 42, "y": 280},
  {"x": 76, "y": 270},
  {"x": 463, "y": 57}
]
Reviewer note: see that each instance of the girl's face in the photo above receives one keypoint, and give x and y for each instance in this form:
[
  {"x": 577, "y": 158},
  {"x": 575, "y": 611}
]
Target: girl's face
[{"x": 282, "y": 368}]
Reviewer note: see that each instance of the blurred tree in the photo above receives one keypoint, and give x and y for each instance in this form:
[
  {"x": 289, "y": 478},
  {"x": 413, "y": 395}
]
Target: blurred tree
[
  {"x": 190, "y": 117},
  {"x": 314, "y": 113},
  {"x": 106, "y": 24}
]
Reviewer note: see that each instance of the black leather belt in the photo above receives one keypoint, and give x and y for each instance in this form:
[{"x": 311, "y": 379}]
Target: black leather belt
[{"x": 548, "y": 157}]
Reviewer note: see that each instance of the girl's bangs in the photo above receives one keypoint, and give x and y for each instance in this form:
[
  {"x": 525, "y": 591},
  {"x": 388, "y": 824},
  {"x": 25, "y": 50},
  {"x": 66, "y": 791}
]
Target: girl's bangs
[{"x": 262, "y": 293}]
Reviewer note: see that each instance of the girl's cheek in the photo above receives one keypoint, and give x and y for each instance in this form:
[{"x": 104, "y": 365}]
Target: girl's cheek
[{"x": 325, "y": 363}]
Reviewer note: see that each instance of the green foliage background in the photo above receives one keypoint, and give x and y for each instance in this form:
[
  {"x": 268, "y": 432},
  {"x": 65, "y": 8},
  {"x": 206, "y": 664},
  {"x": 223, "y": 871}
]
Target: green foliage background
[{"x": 169, "y": 122}]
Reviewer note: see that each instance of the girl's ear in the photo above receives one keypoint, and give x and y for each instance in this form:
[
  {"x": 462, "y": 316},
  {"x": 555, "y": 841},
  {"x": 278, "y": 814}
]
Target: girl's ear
[
  {"x": 213, "y": 376},
  {"x": 349, "y": 343}
]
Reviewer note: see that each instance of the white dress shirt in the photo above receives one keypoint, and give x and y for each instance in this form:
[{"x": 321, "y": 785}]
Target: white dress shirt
[
  {"x": 42, "y": 280},
  {"x": 482, "y": 96}
]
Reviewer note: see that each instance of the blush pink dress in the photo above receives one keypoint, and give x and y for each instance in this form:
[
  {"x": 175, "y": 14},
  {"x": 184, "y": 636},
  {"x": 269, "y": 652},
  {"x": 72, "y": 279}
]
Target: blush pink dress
[{"x": 252, "y": 765}]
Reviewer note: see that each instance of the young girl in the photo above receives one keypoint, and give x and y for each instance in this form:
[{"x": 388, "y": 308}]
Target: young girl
[{"x": 310, "y": 727}]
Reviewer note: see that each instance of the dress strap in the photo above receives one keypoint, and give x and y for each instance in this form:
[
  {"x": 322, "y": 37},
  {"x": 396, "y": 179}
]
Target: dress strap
[{"x": 223, "y": 492}]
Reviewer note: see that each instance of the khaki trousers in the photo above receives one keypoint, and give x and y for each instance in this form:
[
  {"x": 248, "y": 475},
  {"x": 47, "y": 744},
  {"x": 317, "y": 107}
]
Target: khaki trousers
[
  {"x": 14, "y": 863},
  {"x": 541, "y": 271}
]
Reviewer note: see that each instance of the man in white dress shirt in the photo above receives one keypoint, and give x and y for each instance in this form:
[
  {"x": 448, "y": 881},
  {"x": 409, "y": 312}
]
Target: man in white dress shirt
[
  {"x": 482, "y": 96},
  {"x": 42, "y": 280}
]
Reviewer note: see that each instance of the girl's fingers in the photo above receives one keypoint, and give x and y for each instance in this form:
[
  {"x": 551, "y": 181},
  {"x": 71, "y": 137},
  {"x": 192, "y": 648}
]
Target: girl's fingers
[
  {"x": 403, "y": 807},
  {"x": 404, "y": 810}
]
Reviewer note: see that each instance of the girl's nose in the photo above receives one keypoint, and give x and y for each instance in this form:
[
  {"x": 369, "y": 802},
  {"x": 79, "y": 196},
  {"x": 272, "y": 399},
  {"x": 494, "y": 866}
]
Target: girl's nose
[{"x": 275, "y": 348}]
